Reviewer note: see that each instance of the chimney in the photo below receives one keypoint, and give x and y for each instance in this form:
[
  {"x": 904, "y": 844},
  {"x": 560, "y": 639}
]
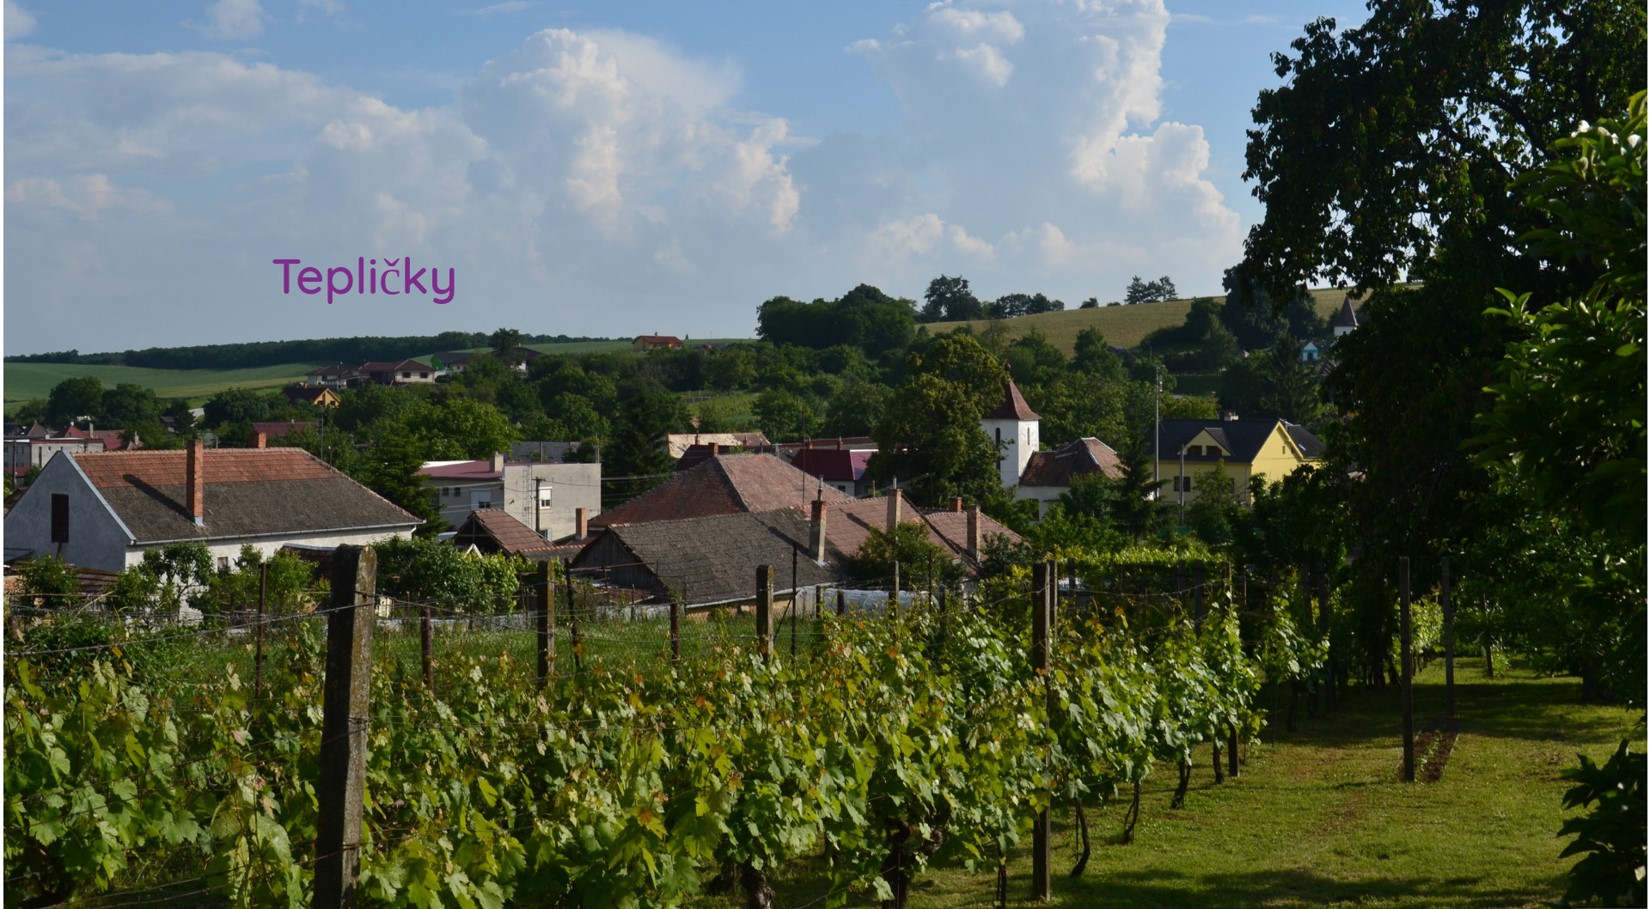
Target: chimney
[
  {"x": 838, "y": 443},
  {"x": 893, "y": 509},
  {"x": 498, "y": 461},
  {"x": 956, "y": 505},
  {"x": 715, "y": 449},
  {"x": 816, "y": 533},
  {"x": 261, "y": 440},
  {"x": 581, "y": 523},
  {"x": 973, "y": 533},
  {"x": 195, "y": 479}
]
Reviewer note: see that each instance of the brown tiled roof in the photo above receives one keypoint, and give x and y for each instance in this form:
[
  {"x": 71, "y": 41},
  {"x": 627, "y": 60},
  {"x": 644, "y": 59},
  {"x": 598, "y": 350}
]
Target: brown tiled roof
[
  {"x": 279, "y": 429},
  {"x": 1014, "y": 406},
  {"x": 727, "y": 484},
  {"x": 715, "y": 557},
  {"x": 848, "y": 527},
  {"x": 1056, "y": 468},
  {"x": 249, "y": 492},
  {"x": 679, "y": 442},
  {"x": 496, "y": 530}
]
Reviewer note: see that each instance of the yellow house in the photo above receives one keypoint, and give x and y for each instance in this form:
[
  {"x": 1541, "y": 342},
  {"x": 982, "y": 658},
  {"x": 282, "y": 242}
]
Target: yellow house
[{"x": 1189, "y": 451}]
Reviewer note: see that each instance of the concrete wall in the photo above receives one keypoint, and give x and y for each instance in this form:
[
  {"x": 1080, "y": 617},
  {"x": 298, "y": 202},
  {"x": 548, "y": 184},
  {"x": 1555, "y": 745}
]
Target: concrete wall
[
  {"x": 565, "y": 487},
  {"x": 96, "y": 539}
]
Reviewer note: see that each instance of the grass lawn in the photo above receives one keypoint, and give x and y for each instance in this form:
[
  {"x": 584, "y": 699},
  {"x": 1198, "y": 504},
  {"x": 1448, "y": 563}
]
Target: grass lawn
[
  {"x": 35, "y": 380},
  {"x": 1318, "y": 818},
  {"x": 1124, "y": 326}
]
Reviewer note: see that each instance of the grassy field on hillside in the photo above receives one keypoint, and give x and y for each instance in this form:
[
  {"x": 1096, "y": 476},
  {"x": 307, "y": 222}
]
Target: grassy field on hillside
[
  {"x": 1124, "y": 326},
  {"x": 24, "y": 381},
  {"x": 35, "y": 380},
  {"x": 1318, "y": 817}
]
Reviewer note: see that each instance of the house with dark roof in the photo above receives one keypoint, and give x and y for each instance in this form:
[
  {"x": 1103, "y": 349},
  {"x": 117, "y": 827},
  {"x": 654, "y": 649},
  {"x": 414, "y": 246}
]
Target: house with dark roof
[
  {"x": 645, "y": 343},
  {"x": 400, "y": 372},
  {"x": 313, "y": 395},
  {"x": 493, "y": 530},
  {"x": 713, "y": 559},
  {"x": 339, "y": 376},
  {"x": 104, "y": 509},
  {"x": 1049, "y": 474},
  {"x": 1345, "y": 321},
  {"x": 1188, "y": 451}
]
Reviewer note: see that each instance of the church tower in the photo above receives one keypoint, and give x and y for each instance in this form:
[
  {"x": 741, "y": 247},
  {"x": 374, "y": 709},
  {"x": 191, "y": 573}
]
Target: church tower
[{"x": 1012, "y": 426}]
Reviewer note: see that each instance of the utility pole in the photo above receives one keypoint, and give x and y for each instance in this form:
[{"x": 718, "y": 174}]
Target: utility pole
[{"x": 1157, "y": 430}]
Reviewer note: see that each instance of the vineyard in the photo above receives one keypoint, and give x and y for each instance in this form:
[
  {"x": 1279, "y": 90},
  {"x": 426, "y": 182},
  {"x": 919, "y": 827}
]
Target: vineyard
[{"x": 176, "y": 765}]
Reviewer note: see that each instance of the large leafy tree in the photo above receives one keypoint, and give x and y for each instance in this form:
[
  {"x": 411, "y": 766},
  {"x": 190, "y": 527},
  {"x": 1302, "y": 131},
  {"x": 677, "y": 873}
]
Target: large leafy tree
[{"x": 1387, "y": 152}]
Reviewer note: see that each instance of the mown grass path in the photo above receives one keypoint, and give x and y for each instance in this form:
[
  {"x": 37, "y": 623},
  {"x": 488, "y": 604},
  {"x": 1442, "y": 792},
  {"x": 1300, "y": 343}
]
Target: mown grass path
[{"x": 1318, "y": 817}]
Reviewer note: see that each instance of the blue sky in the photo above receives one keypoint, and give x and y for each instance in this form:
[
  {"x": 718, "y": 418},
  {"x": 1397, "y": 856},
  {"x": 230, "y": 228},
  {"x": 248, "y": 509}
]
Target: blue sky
[{"x": 611, "y": 169}]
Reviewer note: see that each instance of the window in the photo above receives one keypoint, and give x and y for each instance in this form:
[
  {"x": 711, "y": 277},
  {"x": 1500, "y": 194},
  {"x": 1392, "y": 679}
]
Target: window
[
  {"x": 1182, "y": 484},
  {"x": 60, "y": 517},
  {"x": 407, "y": 374},
  {"x": 544, "y": 498},
  {"x": 223, "y": 563}
]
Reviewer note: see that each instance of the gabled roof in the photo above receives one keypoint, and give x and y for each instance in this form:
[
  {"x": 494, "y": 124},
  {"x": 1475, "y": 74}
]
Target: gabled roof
[
  {"x": 677, "y": 443},
  {"x": 1344, "y": 317},
  {"x": 726, "y": 484},
  {"x": 1056, "y": 468},
  {"x": 1013, "y": 407},
  {"x": 848, "y": 527},
  {"x": 831, "y": 464},
  {"x": 276, "y": 429},
  {"x": 1242, "y": 438},
  {"x": 248, "y": 492},
  {"x": 496, "y": 530},
  {"x": 715, "y": 557},
  {"x": 389, "y": 366}
]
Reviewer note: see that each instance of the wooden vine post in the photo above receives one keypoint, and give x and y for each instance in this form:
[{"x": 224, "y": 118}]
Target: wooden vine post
[
  {"x": 346, "y": 707},
  {"x": 1407, "y": 670},
  {"x": 1042, "y": 620},
  {"x": 764, "y": 611},
  {"x": 544, "y": 611},
  {"x": 258, "y": 654}
]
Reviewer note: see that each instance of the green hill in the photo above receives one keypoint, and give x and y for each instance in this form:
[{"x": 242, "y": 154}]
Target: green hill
[{"x": 1123, "y": 326}]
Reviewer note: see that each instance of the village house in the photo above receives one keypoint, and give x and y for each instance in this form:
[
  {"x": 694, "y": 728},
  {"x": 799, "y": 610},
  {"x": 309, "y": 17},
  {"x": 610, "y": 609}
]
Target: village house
[
  {"x": 104, "y": 509},
  {"x": 544, "y": 496},
  {"x": 1189, "y": 451},
  {"x": 712, "y": 560},
  {"x": 645, "y": 343},
  {"x": 1049, "y": 474}
]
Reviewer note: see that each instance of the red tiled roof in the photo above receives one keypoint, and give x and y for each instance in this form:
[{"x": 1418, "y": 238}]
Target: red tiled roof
[
  {"x": 248, "y": 492},
  {"x": 1014, "y": 406},
  {"x": 276, "y": 429},
  {"x": 468, "y": 470},
  {"x": 837, "y": 466},
  {"x": 221, "y": 465},
  {"x": 727, "y": 484},
  {"x": 496, "y": 530},
  {"x": 1056, "y": 468}
]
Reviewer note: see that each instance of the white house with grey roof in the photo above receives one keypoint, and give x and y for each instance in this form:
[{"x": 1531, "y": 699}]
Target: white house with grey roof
[{"x": 104, "y": 509}]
